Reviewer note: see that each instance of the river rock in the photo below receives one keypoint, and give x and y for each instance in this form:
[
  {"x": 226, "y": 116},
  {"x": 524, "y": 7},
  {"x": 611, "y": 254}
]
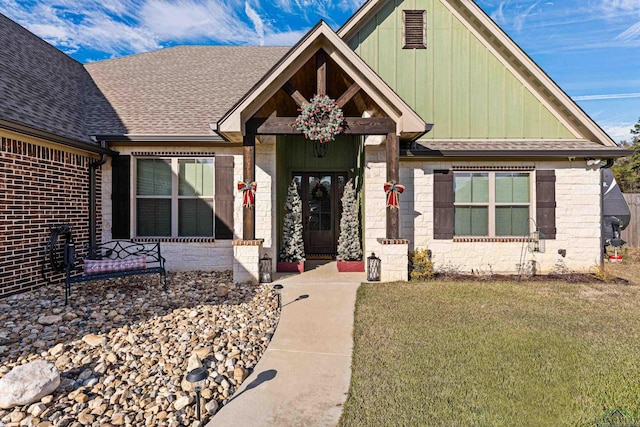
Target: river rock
[
  {"x": 57, "y": 349},
  {"x": 222, "y": 290},
  {"x": 211, "y": 407},
  {"x": 124, "y": 348},
  {"x": 239, "y": 374},
  {"x": 94, "y": 340},
  {"x": 202, "y": 352},
  {"x": 36, "y": 409},
  {"x": 193, "y": 363},
  {"x": 182, "y": 402},
  {"x": 50, "y": 319},
  {"x": 28, "y": 383}
]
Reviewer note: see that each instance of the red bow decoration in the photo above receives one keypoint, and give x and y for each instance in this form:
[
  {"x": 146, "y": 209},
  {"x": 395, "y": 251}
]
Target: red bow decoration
[
  {"x": 248, "y": 189},
  {"x": 393, "y": 190}
]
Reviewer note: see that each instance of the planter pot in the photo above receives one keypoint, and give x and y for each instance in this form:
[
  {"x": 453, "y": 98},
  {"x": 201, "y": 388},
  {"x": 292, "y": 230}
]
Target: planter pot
[
  {"x": 291, "y": 267},
  {"x": 351, "y": 266}
]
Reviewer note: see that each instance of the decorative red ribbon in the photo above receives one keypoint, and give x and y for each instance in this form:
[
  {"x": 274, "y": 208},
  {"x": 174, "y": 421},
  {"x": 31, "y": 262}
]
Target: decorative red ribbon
[
  {"x": 393, "y": 190},
  {"x": 248, "y": 189}
]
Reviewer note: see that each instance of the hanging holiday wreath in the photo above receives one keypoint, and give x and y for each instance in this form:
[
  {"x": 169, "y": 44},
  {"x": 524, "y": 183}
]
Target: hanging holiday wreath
[
  {"x": 321, "y": 119},
  {"x": 319, "y": 193}
]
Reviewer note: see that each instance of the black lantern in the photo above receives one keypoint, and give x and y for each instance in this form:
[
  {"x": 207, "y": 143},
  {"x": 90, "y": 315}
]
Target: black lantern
[
  {"x": 197, "y": 378},
  {"x": 265, "y": 269},
  {"x": 373, "y": 268}
]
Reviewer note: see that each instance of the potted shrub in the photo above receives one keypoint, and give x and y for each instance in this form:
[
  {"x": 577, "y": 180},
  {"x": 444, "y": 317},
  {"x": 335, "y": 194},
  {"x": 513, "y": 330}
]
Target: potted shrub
[
  {"x": 292, "y": 246},
  {"x": 349, "y": 249}
]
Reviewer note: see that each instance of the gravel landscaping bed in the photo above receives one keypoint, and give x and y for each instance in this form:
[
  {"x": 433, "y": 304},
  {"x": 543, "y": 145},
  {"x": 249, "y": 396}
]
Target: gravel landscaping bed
[{"x": 123, "y": 347}]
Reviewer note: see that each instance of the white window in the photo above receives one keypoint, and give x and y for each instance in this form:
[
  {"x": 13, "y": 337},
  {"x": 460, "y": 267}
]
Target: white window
[
  {"x": 492, "y": 204},
  {"x": 174, "y": 197}
]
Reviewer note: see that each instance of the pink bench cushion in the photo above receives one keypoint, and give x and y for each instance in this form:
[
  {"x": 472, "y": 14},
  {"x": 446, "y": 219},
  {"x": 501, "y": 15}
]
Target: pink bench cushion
[{"x": 105, "y": 266}]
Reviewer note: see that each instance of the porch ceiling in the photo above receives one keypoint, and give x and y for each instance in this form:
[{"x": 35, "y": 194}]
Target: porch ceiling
[{"x": 297, "y": 72}]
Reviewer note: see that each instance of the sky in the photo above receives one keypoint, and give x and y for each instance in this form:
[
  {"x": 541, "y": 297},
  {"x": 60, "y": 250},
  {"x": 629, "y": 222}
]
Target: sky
[{"x": 590, "y": 48}]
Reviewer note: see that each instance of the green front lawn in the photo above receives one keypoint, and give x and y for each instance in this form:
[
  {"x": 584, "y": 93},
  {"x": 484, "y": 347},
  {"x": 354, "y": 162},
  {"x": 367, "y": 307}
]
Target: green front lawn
[{"x": 493, "y": 353}]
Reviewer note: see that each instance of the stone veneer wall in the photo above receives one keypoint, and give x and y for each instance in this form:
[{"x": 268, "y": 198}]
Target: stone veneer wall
[
  {"x": 577, "y": 216},
  {"x": 375, "y": 212},
  {"x": 577, "y": 221},
  {"x": 394, "y": 260},
  {"x": 41, "y": 185},
  {"x": 216, "y": 255}
]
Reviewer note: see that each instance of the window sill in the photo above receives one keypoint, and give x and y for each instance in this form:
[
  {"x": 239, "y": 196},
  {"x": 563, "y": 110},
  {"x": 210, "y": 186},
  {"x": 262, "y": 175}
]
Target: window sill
[
  {"x": 491, "y": 239},
  {"x": 175, "y": 239}
]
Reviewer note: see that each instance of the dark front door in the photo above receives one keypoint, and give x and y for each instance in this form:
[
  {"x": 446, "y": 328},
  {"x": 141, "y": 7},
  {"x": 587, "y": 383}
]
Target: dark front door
[{"x": 321, "y": 193}]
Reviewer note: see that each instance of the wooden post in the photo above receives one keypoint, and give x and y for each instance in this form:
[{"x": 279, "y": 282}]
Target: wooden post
[
  {"x": 249, "y": 173},
  {"x": 321, "y": 72},
  {"x": 393, "y": 173}
]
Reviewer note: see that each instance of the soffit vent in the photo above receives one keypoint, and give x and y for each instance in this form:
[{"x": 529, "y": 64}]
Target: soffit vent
[{"x": 414, "y": 29}]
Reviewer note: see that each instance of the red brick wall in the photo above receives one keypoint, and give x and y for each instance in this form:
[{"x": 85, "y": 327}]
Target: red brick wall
[{"x": 40, "y": 187}]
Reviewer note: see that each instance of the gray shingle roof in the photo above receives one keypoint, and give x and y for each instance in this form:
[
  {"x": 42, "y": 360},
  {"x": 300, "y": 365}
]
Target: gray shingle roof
[
  {"x": 175, "y": 91},
  {"x": 40, "y": 86}
]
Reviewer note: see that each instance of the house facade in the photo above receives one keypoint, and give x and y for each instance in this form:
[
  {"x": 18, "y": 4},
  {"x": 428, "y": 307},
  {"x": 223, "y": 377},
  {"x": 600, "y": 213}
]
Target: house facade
[{"x": 501, "y": 170}]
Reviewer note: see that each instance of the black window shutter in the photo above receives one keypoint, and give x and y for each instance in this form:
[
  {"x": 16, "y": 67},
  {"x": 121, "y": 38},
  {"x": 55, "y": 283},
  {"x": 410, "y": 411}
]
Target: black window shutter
[
  {"x": 546, "y": 203},
  {"x": 443, "y": 204},
  {"x": 224, "y": 197},
  {"x": 121, "y": 197}
]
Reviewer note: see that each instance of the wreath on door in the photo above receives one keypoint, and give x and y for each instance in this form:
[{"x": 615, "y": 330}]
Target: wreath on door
[{"x": 319, "y": 193}]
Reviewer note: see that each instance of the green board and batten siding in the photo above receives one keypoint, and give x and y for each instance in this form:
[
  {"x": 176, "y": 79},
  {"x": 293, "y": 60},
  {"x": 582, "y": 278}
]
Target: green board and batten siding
[{"x": 456, "y": 83}]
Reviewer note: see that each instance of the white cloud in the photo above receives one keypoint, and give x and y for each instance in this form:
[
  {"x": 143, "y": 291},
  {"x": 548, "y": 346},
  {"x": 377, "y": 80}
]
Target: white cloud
[
  {"x": 257, "y": 21},
  {"x": 120, "y": 27},
  {"x": 618, "y": 132},
  {"x": 74, "y": 24},
  {"x": 514, "y": 15},
  {"x": 630, "y": 33},
  {"x": 286, "y": 38},
  {"x": 193, "y": 20},
  {"x": 606, "y": 96},
  {"x": 614, "y": 7}
]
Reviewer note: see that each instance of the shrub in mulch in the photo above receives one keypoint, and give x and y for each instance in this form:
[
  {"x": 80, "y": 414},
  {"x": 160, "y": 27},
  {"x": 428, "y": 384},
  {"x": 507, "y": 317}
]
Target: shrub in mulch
[{"x": 572, "y": 277}]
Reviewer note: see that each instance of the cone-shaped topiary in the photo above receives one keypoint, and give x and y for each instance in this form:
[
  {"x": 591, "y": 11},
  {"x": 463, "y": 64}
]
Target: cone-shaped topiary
[
  {"x": 349, "y": 248},
  {"x": 292, "y": 245}
]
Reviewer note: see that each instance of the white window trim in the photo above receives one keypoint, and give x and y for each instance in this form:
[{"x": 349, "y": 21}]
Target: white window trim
[
  {"x": 492, "y": 204},
  {"x": 175, "y": 172}
]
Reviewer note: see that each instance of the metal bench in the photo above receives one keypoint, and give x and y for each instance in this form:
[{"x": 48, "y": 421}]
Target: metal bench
[{"x": 117, "y": 258}]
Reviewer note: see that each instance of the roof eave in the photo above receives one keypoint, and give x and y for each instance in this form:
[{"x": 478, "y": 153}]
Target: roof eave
[
  {"x": 51, "y": 137},
  {"x": 557, "y": 154},
  {"x": 160, "y": 138},
  {"x": 369, "y": 7}
]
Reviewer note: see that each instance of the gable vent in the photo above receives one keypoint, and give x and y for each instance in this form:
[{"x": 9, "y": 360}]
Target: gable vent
[{"x": 414, "y": 29}]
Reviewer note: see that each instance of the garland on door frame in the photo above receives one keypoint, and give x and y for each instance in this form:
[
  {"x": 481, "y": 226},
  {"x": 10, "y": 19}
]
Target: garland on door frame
[{"x": 320, "y": 120}]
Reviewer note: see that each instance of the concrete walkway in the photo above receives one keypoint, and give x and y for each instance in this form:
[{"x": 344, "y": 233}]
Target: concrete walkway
[{"x": 303, "y": 377}]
